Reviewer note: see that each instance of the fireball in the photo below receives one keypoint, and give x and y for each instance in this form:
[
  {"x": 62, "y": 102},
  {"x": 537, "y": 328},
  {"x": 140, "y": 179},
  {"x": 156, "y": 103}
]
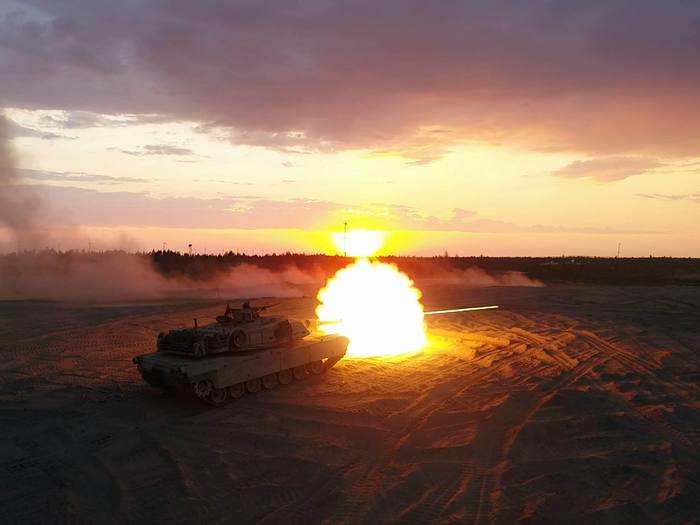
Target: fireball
[{"x": 374, "y": 305}]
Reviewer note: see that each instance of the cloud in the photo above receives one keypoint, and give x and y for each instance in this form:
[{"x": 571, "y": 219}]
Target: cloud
[
  {"x": 59, "y": 176},
  {"x": 89, "y": 119},
  {"x": 231, "y": 182},
  {"x": 96, "y": 208},
  {"x": 89, "y": 207},
  {"x": 422, "y": 162},
  {"x": 15, "y": 130},
  {"x": 407, "y": 218},
  {"x": 158, "y": 149},
  {"x": 409, "y": 78},
  {"x": 687, "y": 197},
  {"x": 607, "y": 169}
]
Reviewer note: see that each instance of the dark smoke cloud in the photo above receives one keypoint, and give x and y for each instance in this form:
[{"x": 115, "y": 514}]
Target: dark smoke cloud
[
  {"x": 31, "y": 218},
  {"x": 19, "y": 212}
]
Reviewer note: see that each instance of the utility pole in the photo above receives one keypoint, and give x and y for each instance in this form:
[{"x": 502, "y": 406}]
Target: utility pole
[{"x": 345, "y": 239}]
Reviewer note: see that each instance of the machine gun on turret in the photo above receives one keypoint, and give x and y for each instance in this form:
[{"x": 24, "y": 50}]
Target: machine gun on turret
[{"x": 244, "y": 314}]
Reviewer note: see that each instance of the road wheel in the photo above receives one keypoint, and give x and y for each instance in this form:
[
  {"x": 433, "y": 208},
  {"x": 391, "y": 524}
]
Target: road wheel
[
  {"x": 218, "y": 396},
  {"x": 270, "y": 381},
  {"x": 299, "y": 373},
  {"x": 237, "y": 341},
  {"x": 254, "y": 385},
  {"x": 317, "y": 367},
  {"x": 284, "y": 377},
  {"x": 236, "y": 391},
  {"x": 201, "y": 389}
]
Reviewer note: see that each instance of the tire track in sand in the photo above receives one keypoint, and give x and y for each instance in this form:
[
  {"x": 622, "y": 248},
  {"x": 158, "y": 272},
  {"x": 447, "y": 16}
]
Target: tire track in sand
[
  {"x": 628, "y": 360},
  {"x": 473, "y": 478},
  {"x": 508, "y": 422}
]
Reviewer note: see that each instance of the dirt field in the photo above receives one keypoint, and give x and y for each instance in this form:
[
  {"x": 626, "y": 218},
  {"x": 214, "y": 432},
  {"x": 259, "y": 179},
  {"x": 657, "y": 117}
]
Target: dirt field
[{"x": 574, "y": 404}]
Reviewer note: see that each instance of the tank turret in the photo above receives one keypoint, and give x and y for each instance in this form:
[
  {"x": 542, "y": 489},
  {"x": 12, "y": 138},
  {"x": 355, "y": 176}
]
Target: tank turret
[{"x": 237, "y": 330}]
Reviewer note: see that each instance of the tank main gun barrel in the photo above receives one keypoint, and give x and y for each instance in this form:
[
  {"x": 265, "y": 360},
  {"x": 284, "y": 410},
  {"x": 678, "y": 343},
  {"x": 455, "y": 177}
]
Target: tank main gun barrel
[
  {"x": 431, "y": 312},
  {"x": 455, "y": 310}
]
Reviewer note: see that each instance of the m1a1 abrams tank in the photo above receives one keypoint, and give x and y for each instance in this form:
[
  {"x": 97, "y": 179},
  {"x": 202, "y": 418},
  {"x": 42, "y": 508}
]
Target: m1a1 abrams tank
[{"x": 206, "y": 362}]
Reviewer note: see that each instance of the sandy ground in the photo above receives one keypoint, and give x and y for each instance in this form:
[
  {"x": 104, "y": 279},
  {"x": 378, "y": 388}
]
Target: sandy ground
[{"x": 571, "y": 404}]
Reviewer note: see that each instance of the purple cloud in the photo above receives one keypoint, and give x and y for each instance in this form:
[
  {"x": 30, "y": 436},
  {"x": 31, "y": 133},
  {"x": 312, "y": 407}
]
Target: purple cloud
[
  {"x": 15, "y": 130},
  {"x": 604, "y": 78}
]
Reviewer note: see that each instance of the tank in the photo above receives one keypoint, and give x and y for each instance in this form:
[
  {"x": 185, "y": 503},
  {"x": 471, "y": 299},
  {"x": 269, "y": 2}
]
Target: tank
[
  {"x": 238, "y": 329},
  {"x": 216, "y": 364}
]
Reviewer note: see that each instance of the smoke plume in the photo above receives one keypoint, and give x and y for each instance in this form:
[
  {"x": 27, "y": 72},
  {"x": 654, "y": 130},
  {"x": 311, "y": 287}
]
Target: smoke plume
[{"x": 18, "y": 210}]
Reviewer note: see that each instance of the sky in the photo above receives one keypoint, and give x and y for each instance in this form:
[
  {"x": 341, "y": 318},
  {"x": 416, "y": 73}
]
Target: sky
[{"x": 473, "y": 128}]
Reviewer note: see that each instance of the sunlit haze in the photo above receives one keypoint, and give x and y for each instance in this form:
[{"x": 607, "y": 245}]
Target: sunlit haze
[{"x": 358, "y": 243}]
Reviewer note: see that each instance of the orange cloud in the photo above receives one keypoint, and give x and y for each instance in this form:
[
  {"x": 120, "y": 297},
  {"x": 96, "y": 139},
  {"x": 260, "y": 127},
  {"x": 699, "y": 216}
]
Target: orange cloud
[{"x": 607, "y": 169}]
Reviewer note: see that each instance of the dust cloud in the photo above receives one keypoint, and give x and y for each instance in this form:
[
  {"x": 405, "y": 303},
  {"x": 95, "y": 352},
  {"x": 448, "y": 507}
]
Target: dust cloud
[
  {"x": 473, "y": 277},
  {"x": 113, "y": 276}
]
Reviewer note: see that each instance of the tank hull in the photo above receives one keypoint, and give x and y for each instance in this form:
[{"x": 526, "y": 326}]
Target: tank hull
[{"x": 227, "y": 371}]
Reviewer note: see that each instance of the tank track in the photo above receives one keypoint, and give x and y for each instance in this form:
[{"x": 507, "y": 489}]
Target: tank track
[{"x": 206, "y": 392}]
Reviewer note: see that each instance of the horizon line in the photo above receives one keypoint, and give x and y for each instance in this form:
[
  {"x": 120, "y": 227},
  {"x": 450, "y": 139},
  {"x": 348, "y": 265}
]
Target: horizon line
[{"x": 323, "y": 254}]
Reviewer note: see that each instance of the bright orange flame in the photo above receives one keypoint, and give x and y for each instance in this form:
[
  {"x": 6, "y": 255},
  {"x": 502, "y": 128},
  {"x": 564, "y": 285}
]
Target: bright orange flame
[
  {"x": 376, "y": 306},
  {"x": 359, "y": 243}
]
